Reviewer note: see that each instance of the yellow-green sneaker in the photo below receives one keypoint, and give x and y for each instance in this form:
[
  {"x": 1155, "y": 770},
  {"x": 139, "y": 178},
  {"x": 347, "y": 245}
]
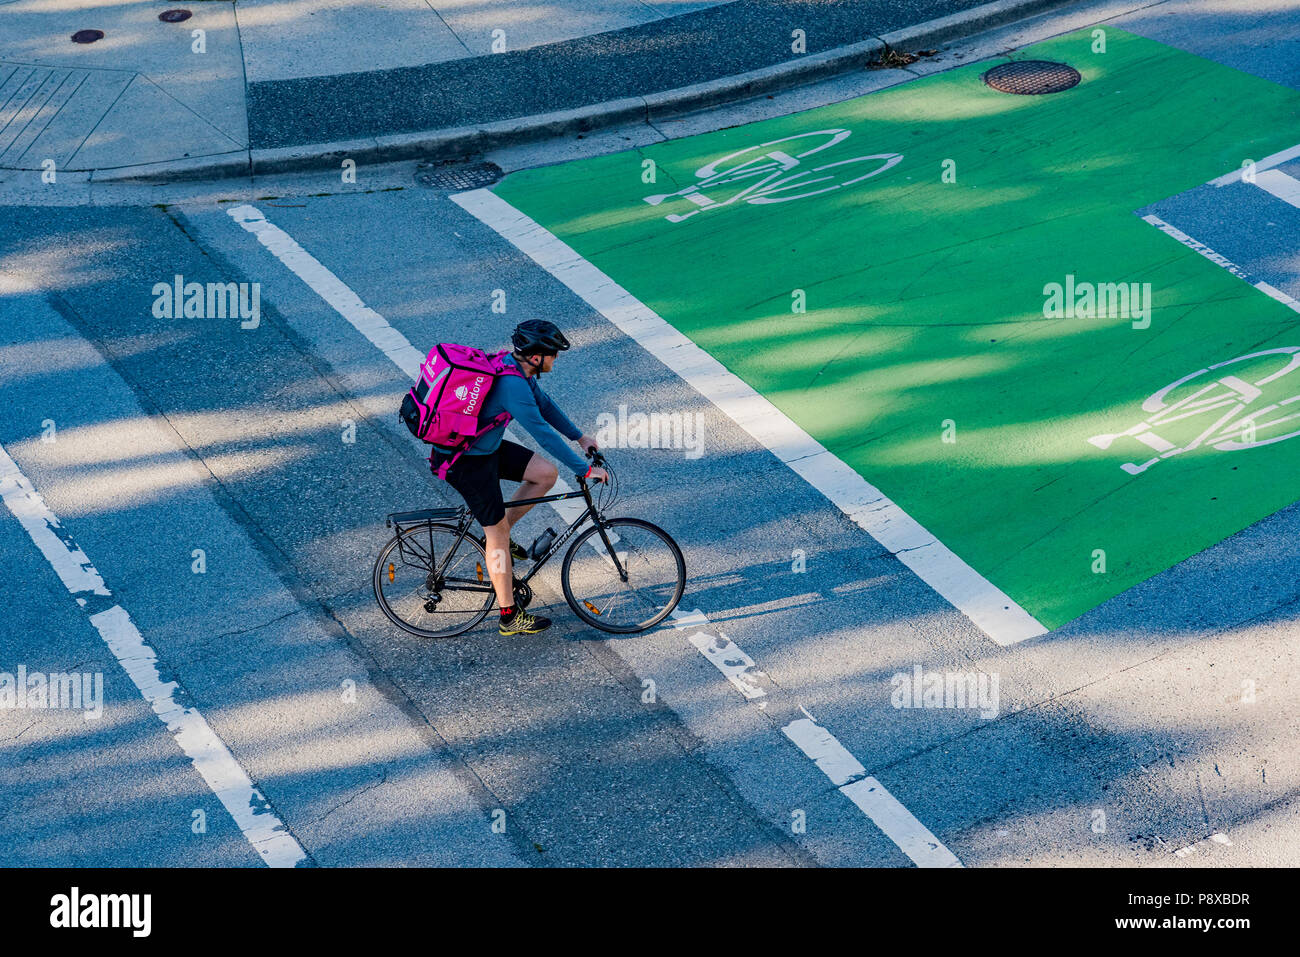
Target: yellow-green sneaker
[{"x": 522, "y": 623}]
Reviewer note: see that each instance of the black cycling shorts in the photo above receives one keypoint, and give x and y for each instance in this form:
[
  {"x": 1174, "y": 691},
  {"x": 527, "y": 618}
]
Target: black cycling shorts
[{"x": 478, "y": 478}]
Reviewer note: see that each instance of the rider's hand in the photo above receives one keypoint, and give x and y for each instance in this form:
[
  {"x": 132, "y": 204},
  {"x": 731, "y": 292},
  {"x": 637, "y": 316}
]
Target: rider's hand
[
  {"x": 597, "y": 474},
  {"x": 587, "y": 444}
]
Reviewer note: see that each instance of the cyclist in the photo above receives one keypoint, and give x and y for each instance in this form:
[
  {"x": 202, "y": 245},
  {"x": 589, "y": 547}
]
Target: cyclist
[{"x": 478, "y": 473}]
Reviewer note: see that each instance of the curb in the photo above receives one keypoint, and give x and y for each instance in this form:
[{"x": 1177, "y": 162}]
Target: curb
[{"x": 464, "y": 141}]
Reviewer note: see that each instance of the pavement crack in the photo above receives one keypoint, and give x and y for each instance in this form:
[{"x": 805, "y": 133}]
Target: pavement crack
[
  {"x": 23, "y": 731},
  {"x": 383, "y": 779},
  {"x": 640, "y": 151},
  {"x": 265, "y": 624},
  {"x": 911, "y": 548},
  {"x": 1200, "y": 793}
]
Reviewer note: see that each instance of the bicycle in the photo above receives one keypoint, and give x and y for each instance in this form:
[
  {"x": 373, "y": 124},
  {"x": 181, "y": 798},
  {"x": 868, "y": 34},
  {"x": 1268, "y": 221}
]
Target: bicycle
[{"x": 434, "y": 567}]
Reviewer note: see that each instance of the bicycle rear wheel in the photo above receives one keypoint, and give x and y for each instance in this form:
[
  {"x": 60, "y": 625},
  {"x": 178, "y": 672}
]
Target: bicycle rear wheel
[
  {"x": 655, "y": 569},
  {"x": 426, "y": 604}
]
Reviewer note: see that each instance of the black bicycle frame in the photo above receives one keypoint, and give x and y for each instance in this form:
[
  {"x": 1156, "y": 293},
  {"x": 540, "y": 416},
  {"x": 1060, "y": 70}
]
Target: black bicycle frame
[{"x": 589, "y": 514}]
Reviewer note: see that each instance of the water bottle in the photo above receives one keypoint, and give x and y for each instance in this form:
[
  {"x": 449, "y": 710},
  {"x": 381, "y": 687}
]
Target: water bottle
[{"x": 543, "y": 543}]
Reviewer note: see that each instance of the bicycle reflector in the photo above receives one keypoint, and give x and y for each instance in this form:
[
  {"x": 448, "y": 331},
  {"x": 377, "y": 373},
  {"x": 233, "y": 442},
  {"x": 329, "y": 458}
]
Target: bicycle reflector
[
  {"x": 478, "y": 567},
  {"x": 391, "y": 570},
  {"x": 594, "y": 610}
]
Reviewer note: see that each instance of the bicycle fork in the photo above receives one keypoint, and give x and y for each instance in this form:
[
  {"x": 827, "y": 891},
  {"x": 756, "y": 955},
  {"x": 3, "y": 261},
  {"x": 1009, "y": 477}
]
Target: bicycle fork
[{"x": 610, "y": 554}]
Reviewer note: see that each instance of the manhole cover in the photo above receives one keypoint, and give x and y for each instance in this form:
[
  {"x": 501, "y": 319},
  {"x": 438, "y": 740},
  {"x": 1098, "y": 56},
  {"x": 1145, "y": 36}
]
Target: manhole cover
[
  {"x": 457, "y": 176},
  {"x": 174, "y": 16},
  {"x": 1028, "y": 77},
  {"x": 87, "y": 36}
]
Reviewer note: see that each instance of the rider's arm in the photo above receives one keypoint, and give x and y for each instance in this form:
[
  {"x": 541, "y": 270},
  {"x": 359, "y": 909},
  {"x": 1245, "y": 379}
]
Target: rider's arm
[
  {"x": 552, "y": 414},
  {"x": 520, "y": 402}
]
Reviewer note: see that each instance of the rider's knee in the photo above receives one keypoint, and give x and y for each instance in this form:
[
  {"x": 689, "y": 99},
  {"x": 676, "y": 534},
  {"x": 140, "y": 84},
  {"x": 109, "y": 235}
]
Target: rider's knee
[{"x": 548, "y": 474}]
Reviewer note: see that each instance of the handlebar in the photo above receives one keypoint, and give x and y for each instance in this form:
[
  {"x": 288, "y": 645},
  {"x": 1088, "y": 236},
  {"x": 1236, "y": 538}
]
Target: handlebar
[{"x": 597, "y": 460}]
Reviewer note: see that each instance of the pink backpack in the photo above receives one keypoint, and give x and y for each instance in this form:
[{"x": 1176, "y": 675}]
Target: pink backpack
[{"x": 443, "y": 406}]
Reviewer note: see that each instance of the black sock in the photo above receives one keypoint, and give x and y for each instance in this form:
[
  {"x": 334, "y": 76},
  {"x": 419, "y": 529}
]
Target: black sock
[{"x": 506, "y": 612}]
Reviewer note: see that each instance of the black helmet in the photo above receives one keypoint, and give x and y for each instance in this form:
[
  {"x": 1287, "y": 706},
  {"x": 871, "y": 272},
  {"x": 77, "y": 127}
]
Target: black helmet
[{"x": 538, "y": 337}]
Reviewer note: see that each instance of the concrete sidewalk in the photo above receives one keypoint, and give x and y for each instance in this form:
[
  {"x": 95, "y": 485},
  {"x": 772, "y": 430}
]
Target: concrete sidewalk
[{"x": 266, "y": 85}]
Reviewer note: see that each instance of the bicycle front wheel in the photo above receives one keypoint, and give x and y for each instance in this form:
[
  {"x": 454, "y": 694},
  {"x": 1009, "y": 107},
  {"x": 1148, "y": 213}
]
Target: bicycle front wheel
[
  {"x": 425, "y": 589},
  {"x": 642, "y": 594}
]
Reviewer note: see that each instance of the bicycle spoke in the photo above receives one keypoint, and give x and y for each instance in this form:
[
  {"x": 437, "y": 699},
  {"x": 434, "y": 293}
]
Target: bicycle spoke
[
  {"x": 402, "y": 584},
  {"x": 654, "y": 577}
]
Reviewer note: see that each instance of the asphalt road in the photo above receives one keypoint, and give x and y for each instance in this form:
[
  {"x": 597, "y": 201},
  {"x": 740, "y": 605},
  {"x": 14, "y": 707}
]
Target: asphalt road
[{"x": 1141, "y": 729}]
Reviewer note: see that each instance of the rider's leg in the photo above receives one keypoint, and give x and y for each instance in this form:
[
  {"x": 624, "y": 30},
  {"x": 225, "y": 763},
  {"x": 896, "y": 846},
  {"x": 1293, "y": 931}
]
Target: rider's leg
[
  {"x": 500, "y": 567},
  {"x": 517, "y": 621},
  {"x": 539, "y": 478}
]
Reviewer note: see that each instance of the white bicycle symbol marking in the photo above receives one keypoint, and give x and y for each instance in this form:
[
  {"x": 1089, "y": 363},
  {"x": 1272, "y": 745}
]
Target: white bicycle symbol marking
[
  {"x": 767, "y": 176},
  {"x": 1227, "y": 394}
]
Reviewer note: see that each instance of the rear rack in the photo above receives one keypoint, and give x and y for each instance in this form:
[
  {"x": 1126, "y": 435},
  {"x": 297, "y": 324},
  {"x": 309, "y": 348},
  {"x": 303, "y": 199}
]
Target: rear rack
[{"x": 426, "y": 515}]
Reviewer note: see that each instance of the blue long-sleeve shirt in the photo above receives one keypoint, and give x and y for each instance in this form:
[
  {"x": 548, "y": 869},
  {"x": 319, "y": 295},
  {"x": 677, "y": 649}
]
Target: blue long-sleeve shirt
[{"x": 533, "y": 409}]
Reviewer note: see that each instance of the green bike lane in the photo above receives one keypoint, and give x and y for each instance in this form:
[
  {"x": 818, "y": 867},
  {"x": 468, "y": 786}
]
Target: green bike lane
[{"x": 923, "y": 358}]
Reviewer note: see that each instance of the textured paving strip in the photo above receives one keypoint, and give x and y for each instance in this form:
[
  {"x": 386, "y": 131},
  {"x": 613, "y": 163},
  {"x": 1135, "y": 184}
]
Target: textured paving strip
[{"x": 47, "y": 113}]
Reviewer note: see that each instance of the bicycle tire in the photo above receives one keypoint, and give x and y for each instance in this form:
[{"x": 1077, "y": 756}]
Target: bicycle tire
[
  {"x": 397, "y": 619},
  {"x": 594, "y": 620}
]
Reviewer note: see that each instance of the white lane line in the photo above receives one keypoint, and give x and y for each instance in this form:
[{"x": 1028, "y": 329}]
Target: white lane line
[
  {"x": 209, "y": 754},
  {"x": 894, "y": 820},
  {"x": 1268, "y": 162},
  {"x": 933, "y": 562},
  {"x": 1216, "y": 838},
  {"x": 824, "y": 748},
  {"x": 1197, "y": 246},
  {"x": 852, "y": 780},
  {"x": 330, "y": 288},
  {"x": 1284, "y": 187},
  {"x": 736, "y": 666}
]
